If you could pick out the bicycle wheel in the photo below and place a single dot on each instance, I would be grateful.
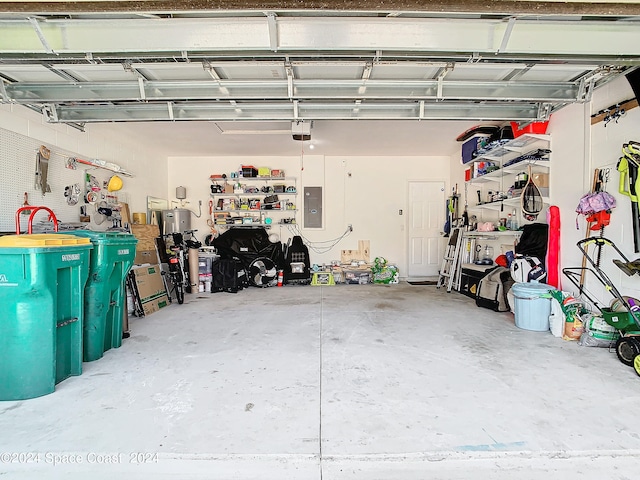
(179, 286)
(168, 285)
(180, 293)
(187, 283)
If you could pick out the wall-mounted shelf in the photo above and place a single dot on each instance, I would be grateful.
(243, 225)
(494, 234)
(251, 225)
(514, 148)
(496, 175)
(258, 194)
(507, 203)
(504, 177)
(255, 210)
(251, 179)
(255, 199)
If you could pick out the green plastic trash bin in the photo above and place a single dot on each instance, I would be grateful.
(104, 295)
(42, 279)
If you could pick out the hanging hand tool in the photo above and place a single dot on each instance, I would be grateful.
(628, 166)
(26, 204)
(42, 169)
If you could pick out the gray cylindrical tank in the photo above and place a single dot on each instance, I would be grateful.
(176, 220)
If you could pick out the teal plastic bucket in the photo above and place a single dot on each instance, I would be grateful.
(532, 306)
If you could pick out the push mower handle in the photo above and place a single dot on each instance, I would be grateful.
(599, 241)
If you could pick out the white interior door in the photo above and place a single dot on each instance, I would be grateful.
(426, 221)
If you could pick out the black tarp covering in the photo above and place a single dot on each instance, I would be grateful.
(534, 240)
(247, 244)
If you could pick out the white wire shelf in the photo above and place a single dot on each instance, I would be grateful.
(507, 202)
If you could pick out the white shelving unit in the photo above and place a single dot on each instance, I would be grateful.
(257, 216)
(495, 239)
(500, 180)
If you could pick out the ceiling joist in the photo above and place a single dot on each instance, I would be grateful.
(291, 111)
(290, 88)
(272, 64)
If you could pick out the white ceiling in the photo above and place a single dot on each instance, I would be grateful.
(249, 65)
(333, 137)
(372, 82)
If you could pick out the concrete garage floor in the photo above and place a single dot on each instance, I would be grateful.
(347, 382)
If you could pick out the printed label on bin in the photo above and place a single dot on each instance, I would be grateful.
(4, 281)
(123, 251)
(70, 257)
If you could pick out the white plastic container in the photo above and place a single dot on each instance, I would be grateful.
(556, 319)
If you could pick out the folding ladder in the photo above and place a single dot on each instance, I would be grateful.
(449, 271)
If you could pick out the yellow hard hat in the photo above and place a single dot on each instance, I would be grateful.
(115, 184)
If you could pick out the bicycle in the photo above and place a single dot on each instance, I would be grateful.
(173, 256)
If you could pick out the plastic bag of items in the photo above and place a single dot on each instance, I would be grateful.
(572, 309)
(597, 332)
(383, 273)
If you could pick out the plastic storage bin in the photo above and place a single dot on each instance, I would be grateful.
(42, 279)
(532, 306)
(533, 127)
(104, 295)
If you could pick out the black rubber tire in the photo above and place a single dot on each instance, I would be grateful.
(187, 284)
(180, 294)
(178, 286)
(627, 348)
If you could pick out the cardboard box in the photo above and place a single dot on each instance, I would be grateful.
(150, 287)
(540, 179)
(146, 256)
(146, 235)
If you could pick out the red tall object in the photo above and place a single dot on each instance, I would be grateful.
(553, 247)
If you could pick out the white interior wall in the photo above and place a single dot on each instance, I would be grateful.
(568, 179)
(606, 145)
(98, 141)
(579, 148)
(365, 191)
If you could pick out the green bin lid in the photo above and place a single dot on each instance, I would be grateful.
(42, 240)
(100, 236)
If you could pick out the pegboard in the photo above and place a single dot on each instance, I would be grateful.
(17, 176)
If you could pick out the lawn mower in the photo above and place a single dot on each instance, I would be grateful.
(623, 313)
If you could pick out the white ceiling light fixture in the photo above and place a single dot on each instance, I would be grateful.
(301, 130)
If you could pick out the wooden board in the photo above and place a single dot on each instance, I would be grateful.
(124, 213)
(600, 116)
(361, 254)
(145, 235)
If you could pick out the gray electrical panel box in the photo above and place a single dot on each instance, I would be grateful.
(312, 207)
